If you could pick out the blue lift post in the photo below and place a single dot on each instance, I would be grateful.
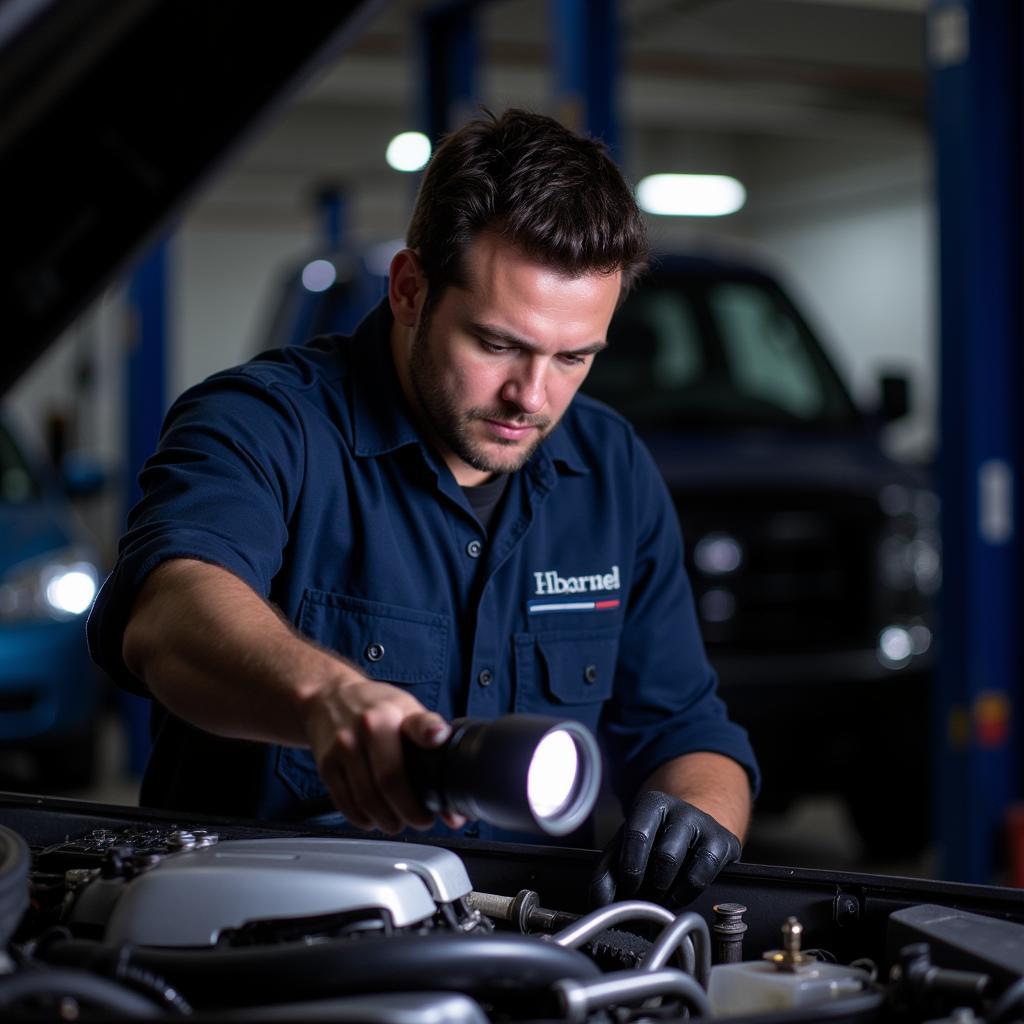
(586, 63)
(145, 405)
(450, 58)
(975, 49)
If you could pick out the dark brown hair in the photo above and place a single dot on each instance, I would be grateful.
(555, 195)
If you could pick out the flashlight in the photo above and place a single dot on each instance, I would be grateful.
(524, 772)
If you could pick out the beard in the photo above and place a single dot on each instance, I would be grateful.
(454, 426)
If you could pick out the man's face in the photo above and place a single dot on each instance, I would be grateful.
(496, 364)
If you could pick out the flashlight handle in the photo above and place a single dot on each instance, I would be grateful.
(424, 769)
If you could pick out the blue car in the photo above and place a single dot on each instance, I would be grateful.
(49, 573)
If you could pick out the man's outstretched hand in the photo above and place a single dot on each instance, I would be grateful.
(667, 851)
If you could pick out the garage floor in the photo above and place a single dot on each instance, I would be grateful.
(814, 833)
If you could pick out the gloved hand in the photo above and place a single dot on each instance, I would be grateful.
(666, 851)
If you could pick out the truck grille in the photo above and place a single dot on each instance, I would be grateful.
(807, 579)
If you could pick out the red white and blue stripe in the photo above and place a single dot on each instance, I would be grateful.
(547, 605)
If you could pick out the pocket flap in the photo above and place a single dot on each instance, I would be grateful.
(580, 664)
(387, 642)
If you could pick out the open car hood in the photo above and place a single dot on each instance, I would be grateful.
(115, 111)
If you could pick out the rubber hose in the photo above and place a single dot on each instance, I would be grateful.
(506, 968)
(65, 983)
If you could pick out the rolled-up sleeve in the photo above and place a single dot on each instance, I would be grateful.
(665, 703)
(220, 488)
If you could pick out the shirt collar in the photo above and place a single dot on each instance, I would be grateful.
(381, 416)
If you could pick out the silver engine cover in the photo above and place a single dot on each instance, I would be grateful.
(190, 898)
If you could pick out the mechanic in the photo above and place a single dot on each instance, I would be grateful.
(356, 540)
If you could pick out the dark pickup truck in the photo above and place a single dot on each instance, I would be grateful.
(814, 557)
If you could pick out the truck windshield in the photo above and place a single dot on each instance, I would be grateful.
(717, 352)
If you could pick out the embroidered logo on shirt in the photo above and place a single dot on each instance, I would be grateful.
(549, 584)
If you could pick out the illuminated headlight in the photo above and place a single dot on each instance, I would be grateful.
(898, 644)
(717, 554)
(59, 585)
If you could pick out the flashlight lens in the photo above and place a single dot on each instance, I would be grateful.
(551, 779)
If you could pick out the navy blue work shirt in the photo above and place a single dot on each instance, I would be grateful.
(302, 472)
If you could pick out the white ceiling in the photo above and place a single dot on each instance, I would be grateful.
(777, 91)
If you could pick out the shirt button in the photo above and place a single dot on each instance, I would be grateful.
(374, 652)
(486, 677)
(590, 673)
(473, 548)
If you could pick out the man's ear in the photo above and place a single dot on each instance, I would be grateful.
(407, 287)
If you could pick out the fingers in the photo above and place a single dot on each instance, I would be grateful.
(602, 884)
(638, 835)
(709, 857)
(668, 850)
(677, 838)
(344, 774)
(430, 730)
(395, 805)
(356, 736)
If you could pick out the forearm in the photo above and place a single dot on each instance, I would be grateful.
(218, 655)
(712, 782)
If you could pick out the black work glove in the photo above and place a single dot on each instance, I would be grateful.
(666, 851)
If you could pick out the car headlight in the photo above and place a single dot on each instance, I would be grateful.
(56, 586)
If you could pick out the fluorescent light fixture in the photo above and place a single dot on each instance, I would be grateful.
(690, 195)
(318, 275)
(408, 151)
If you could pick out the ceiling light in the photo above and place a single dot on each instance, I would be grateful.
(690, 195)
(319, 275)
(408, 151)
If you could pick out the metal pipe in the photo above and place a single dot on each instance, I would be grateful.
(602, 919)
(673, 936)
(580, 999)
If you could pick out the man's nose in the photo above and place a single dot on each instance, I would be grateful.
(527, 388)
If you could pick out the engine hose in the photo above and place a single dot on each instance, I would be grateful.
(505, 968)
(580, 999)
(69, 983)
(671, 939)
(150, 984)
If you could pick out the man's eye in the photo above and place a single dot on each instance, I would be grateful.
(489, 346)
(573, 360)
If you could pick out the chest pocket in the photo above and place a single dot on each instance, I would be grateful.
(403, 646)
(566, 672)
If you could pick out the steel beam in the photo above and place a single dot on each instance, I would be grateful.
(585, 37)
(975, 49)
(145, 405)
(450, 59)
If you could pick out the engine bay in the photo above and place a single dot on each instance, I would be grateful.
(119, 912)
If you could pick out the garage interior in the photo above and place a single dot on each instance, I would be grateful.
(878, 144)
